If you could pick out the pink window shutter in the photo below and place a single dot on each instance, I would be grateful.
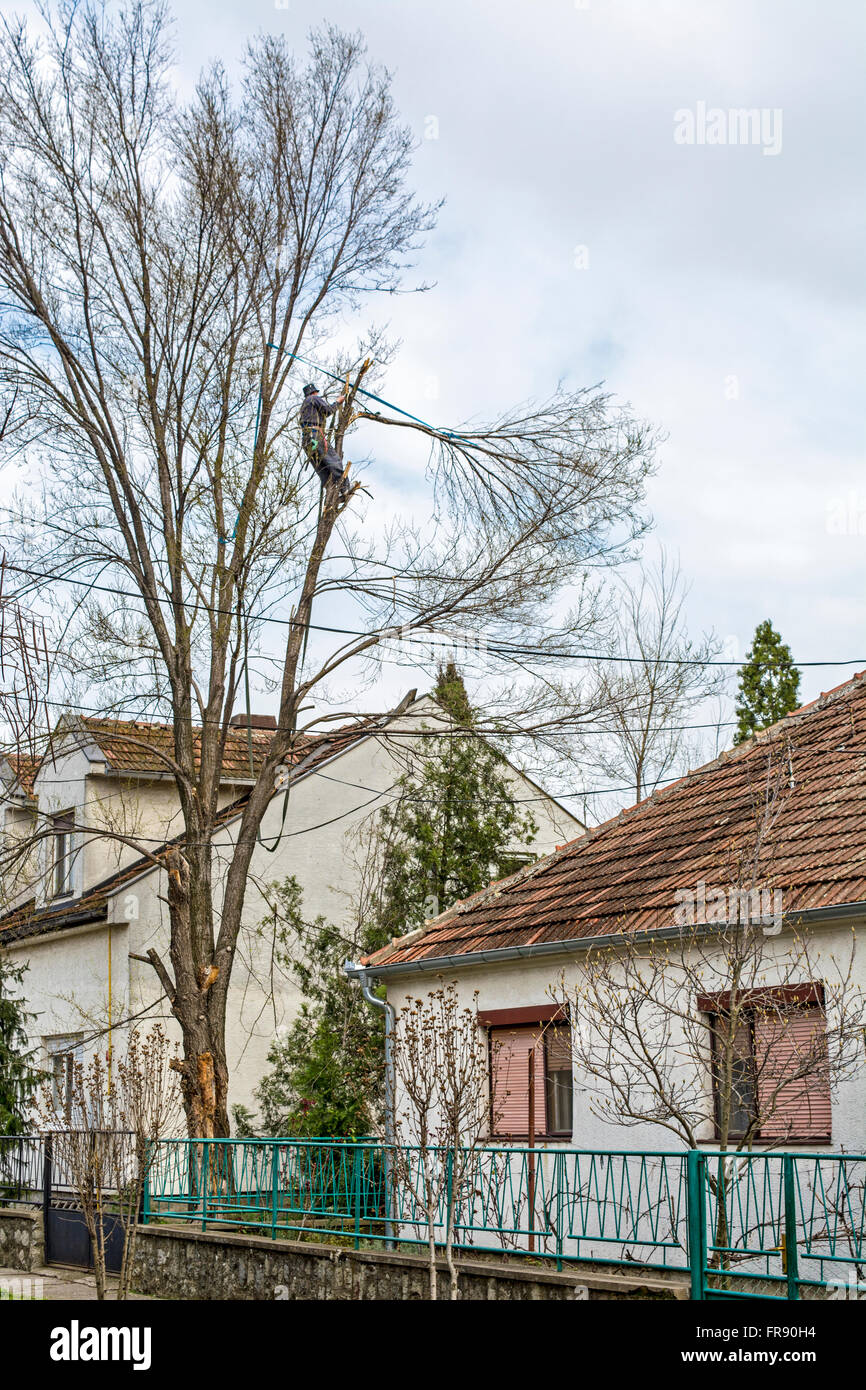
(787, 1044)
(558, 1044)
(510, 1049)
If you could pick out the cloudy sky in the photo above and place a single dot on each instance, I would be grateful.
(717, 287)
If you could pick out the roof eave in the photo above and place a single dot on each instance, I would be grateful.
(838, 912)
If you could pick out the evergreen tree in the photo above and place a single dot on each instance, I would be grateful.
(454, 822)
(326, 1073)
(19, 1076)
(452, 827)
(769, 683)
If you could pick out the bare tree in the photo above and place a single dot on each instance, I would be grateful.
(105, 1126)
(25, 677)
(442, 1116)
(654, 679)
(161, 267)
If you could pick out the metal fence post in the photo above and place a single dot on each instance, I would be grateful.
(275, 1188)
(205, 1177)
(791, 1262)
(696, 1208)
(449, 1195)
(145, 1187)
(356, 1152)
(559, 1163)
(47, 1155)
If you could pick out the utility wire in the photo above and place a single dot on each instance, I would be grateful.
(578, 727)
(396, 632)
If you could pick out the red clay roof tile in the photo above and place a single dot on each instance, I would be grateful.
(623, 876)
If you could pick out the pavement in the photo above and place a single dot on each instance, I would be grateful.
(57, 1283)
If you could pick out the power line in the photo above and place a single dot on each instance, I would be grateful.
(578, 727)
(397, 632)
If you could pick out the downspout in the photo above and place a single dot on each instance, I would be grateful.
(357, 972)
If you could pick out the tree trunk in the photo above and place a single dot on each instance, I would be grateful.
(203, 1071)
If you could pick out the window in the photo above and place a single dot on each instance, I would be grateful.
(63, 827)
(780, 1081)
(744, 1097)
(509, 864)
(62, 1052)
(530, 1051)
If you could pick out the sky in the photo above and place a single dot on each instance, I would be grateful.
(594, 229)
(717, 287)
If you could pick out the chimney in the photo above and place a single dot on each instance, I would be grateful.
(253, 721)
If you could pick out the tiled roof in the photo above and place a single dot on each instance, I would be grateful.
(25, 769)
(623, 876)
(134, 746)
(27, 920)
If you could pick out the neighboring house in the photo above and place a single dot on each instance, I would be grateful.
(87, 902)
(637, 873)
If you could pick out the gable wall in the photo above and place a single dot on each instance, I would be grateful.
(327, 810)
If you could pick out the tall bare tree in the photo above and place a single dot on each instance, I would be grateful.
(25, 677)
(162, 264)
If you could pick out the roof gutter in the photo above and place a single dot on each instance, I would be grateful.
(62, 922)
(428, 964)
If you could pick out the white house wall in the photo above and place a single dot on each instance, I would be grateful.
(75, 983)
(326, 812)
(528, 982)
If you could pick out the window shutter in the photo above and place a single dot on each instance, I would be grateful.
(510, 1049)
(785, 1044)
(558, 1043)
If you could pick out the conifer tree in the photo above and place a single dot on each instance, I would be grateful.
(769, 683)
(19, 1076)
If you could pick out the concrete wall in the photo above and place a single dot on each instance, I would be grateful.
(181, 1264)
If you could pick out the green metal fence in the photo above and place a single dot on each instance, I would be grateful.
(777, 1225)
(751, 1225)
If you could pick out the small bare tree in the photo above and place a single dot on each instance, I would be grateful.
(442, 1114)
(104, 1126)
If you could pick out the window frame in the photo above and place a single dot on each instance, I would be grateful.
(805, 998)
(554, 1019)
(63, 1049)
(63, 855)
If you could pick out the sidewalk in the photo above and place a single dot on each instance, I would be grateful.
(57, 1283)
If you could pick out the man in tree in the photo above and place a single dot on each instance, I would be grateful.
(769, 683)
(322, 455)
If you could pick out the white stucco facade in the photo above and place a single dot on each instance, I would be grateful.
(533, 980)
(82, 977)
